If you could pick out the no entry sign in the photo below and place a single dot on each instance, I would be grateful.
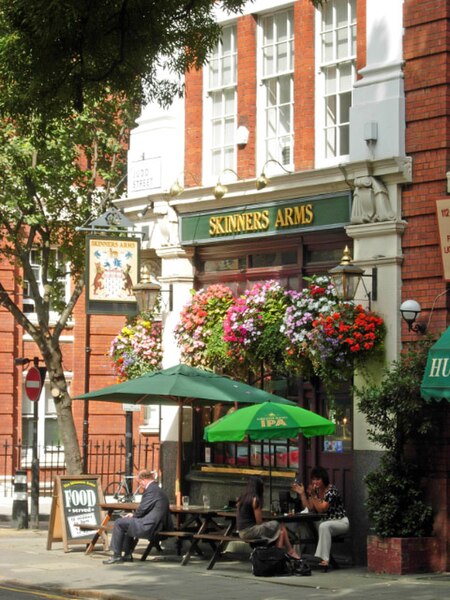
(33, 384)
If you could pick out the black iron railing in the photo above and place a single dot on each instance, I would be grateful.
(105, 458)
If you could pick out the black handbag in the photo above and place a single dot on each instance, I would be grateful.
(269, 562)
(299, 566)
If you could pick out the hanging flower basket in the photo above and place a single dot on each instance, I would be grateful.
(137, 349)
(318, 298)
(199, 332)
(308, 332)
(252, 326)
(329, 338)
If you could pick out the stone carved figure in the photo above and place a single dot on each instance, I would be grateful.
(371, 201)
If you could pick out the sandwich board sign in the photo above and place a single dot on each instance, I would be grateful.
(76, 501)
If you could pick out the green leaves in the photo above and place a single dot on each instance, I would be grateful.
(399, 420)
(55, 175)
(54, 55)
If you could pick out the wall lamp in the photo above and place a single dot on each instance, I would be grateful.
(141, 214)
(220, 190)
(346, 277)
(263, 180)
(410, 310)
(149, 293)
(176, 189)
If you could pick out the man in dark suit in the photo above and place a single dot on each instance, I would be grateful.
(152, 515)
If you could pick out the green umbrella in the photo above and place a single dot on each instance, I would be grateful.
(268, 421)
(181, 386)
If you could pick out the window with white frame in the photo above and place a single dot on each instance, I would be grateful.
(277, 70)
(337, 68)
(48, 436)
(222, 110)
(56, 264)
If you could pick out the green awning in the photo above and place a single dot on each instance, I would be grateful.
(436, 379)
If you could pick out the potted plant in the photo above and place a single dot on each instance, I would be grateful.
(399, 421)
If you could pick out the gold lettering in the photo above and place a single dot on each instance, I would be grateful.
(212, 226)
(257, 220)
(220, 228)
(288, 215)
(240, 223)
(279, 221)
(309, 214)
(260, 220)
(265, 220)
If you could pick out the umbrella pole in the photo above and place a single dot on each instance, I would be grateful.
(179, 456)
(270, 475)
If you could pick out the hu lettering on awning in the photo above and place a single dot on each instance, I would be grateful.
(440, 367)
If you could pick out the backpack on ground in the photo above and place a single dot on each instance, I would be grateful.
(269, 562)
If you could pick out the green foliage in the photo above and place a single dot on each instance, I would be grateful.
(50, 173)
(398, 419)
(56, 174)
(54, 54)
(395, 501)
(217, 351)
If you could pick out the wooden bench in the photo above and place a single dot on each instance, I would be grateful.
(155, 542)
(221, 541)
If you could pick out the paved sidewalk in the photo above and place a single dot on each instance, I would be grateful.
(25, 560)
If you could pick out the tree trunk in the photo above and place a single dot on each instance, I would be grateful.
(63, 405)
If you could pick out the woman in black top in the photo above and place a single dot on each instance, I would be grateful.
(250, 522)
(323, 497)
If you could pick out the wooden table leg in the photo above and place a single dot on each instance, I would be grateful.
(220, 546)
(100, 531)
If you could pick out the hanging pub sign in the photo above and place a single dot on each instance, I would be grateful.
(112, 270)
(443, 219)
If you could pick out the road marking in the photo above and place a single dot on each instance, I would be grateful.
(35, 593)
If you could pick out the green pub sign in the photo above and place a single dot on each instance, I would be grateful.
(292, 216)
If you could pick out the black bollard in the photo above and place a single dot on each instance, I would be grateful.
(20, 501)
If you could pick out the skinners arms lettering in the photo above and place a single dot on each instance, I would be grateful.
(288, 216)
(239, 223)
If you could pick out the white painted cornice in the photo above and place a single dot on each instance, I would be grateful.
(395, 170)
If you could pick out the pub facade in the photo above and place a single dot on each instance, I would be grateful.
(305, 133)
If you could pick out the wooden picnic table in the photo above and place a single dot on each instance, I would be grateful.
(230, 533)
(191, 521)
(196, 524)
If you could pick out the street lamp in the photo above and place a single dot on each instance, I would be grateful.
(346, 277)
(148, 293)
